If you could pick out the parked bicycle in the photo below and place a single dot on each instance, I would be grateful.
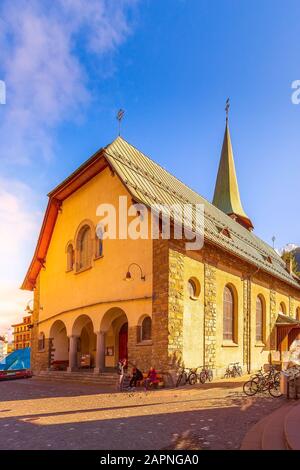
(263, 382)
(233, 370)
(184, 376)
(204, 375)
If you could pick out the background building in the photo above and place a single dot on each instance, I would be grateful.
(22, 333)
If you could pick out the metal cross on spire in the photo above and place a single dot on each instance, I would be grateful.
(227, 108)
(120, 116)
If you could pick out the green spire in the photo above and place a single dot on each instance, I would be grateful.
(227, 195)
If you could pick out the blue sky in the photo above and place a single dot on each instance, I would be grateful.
(170, 64)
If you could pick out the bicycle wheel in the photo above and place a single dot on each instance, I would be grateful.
(192, 378)
(202, 377)
(182, 379)
(210, 375)
(250, 388)
(264, 383)
(274, 389)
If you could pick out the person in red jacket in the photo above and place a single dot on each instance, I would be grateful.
(151, 378)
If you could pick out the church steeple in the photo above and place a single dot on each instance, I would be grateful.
(227, 195)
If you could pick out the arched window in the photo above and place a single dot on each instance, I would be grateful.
(193, 287)
(41, 342)
(99, 241)
(146, 329)
(259, 319)
(70, 257)
(282, 308)
(228, 314)
(84, 244)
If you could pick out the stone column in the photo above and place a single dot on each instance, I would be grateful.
(100, 353)
(73, 353)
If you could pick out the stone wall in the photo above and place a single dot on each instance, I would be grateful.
(139, 354)
(176, 308)
(160, 309)
(210, 315)
(246, 324)
(34, 331)
(40, 360)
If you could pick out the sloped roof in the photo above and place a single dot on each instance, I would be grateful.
(283, 319)
(151, 184)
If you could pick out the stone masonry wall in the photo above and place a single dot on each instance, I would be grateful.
(139, 354)
(246, 323)
(160, 304)
(40, 360)
(176, 308)
(210, 315)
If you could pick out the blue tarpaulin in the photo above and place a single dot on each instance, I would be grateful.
(19, 359)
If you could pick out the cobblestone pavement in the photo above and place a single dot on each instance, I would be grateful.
(46, 415)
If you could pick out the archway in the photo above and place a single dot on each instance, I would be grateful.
(114, 326)
(59, 344)
(83, 329)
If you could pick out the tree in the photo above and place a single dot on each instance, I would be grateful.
(289, 255)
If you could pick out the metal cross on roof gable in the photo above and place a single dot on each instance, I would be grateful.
(227, 108)
(120, 116)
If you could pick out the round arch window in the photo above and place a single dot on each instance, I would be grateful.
(193, 288)
(146, 329)
(282, 308)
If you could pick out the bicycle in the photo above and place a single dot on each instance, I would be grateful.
(233, 370)
(184, 376)
(204, 375)
(261, 382)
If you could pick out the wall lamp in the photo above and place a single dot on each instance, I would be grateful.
(128, 276)
(28, 309)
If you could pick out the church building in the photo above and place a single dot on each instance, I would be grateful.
(153, 301)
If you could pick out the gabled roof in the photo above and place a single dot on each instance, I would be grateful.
(151, 184)
(283, 319)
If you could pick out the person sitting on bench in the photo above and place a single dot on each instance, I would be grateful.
(151, 378)
(136, 377)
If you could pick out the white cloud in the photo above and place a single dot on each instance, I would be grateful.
(42, 44)
(46, 80)
(20, 223)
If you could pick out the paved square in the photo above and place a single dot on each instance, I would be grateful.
(37, 414)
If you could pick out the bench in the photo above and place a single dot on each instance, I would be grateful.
(59, 365)
(159, 382)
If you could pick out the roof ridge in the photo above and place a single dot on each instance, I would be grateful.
(253, 243)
